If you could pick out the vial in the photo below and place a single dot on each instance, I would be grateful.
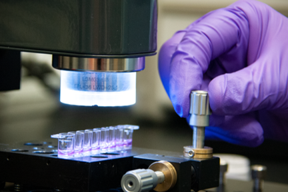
(104, 139)
(128, 135)
(96, 140)
(119, 137)
(88, 135)
(78, 143)
(65, 145)
(111, 139)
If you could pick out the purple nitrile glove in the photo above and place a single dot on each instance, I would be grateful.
(238, 54)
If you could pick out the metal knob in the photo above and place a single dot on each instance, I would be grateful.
(258, 173)
(200, 111)
(161, 176)
(141, 180)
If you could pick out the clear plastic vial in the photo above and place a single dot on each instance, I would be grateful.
(119, 137)
(88, 135)
(98, 88)
(127, 138)
(104, 139)
(78, 143)
(111, 139)
(128, 135)
(96, 140)
(65, 145)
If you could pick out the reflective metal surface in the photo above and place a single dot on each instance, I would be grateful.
(99, 64)
(223, 170)
(80, 27)
(258, 173)
(139, 180)
(198, 137)
(170, 175)
(200, 111)
(198, 153)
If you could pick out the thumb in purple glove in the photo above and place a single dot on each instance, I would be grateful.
(239, 55)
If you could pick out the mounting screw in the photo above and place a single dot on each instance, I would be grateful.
(191, 153)
(258, 173)
(223, 170)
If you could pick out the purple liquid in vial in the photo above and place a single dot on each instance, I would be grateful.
(119, 145)
(96, 140)
(66, 146)
(65, 153)
(127, 144)
(88, 135)
(95, 150)
(104, 139)
(111, 139)
(78, 143)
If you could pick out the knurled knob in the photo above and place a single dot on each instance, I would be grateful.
(199, 109)
(139, 180)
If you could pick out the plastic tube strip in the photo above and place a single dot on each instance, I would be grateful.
(95, 141)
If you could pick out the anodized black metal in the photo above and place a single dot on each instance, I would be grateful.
(36, 164)
(10, 70)
(182, 166)
(191, 173)
(206, 173)
(80, 27)
(83, 174)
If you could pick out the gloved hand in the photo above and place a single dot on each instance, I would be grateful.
(238, 54)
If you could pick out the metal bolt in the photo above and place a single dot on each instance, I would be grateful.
(198, 137)
(191, 153)
(223, 170)
(200, 111)
(258, 175)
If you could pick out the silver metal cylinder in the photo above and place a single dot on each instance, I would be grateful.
(258, 173)
(160, 176)
(140, 180)
(198, 137)
(199, 119)
(99, 64)
(223, 170)
(199, 109)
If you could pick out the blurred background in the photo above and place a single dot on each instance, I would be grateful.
(34, 112)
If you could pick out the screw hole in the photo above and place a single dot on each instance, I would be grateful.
(99, 156)
(130, 184)
(43, 152)
(19, 150)
(33, 144)
(110, 153)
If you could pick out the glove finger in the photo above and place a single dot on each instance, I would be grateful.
(165, 55)
(213, 35)
(240, 130)
(261, 85)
